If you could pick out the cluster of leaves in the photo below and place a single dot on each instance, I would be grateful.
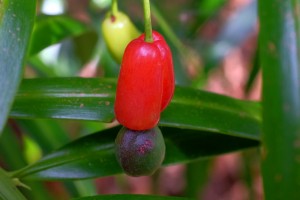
(191, 125)
(196, 125)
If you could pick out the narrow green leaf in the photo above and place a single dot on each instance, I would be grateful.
(93, 99)
(15, 30)
(131, 197)
(280, 61)
(66, 98)
(178, 48)
(94, 155)
(84, 46)
(8, 190)
(49, 30)
(85, 187)
(54, 135)
(193, 123)
(11, 154)
(253, 73)
(200, 110)
(2, 8)
(9, 145)
(197, 176)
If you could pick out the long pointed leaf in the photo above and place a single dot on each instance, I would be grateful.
(49, 30)
(8, 190)
(66, 98)
(280, 60)
(194, 122)
(15, 29)
(93, 99)
(94, 156)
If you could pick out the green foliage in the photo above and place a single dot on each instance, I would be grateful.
(92, 99)
(14, 34)
(279, 52)
(59, 27)
(94, 156)
(77, 139)
(8, 188)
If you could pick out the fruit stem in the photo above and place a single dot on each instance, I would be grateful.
(147, 18)
(114, 7)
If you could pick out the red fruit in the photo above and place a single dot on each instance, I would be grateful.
(168, 71)
(146, 83)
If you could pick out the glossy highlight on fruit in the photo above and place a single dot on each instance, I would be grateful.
(146, 83)
(168, 69)
(118, 31)
(140, 153)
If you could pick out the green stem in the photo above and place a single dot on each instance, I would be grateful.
(114, 7)
(147, 18)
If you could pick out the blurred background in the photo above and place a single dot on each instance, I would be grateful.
(214, 46)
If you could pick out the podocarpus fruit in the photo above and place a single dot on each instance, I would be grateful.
(145, 84)
(140, 153)
(118, 31)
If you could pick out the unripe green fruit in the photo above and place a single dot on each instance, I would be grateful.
(118, 31)
(140, 153)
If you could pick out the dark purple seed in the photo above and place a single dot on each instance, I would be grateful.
(140, 153)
